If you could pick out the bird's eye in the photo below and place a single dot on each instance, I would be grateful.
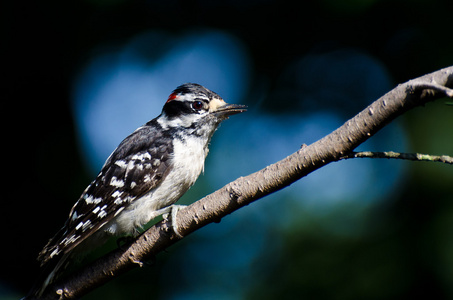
(197, 105)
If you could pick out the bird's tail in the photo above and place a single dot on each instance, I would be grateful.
(50, 272)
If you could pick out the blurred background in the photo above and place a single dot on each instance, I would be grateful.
(79, 76)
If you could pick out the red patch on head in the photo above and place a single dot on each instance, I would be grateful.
(172, 96)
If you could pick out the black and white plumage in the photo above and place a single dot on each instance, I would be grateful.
(146, 174)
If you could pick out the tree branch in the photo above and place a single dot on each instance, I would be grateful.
(245, 190)
(406, 156)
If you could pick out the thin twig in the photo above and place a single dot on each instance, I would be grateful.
(406, 156)
(447, 92)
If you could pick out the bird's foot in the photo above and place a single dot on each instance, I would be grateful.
(173, 219)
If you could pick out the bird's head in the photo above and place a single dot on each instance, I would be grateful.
(191, 104)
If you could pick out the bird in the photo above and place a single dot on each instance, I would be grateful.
(143, 178)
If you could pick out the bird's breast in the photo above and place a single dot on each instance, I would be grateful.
(188, 158)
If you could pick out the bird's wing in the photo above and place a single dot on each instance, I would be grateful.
(132, 170)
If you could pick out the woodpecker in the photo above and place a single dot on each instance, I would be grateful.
(142, 179)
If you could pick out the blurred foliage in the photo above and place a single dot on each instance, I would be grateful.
(404, 248)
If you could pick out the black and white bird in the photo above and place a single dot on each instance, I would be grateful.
(143, 177)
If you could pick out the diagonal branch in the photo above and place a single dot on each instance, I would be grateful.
(245, 190)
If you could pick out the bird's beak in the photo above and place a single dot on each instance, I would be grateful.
(222, 109)
(230, 109)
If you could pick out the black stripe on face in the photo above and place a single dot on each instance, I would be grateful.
(177, 108)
